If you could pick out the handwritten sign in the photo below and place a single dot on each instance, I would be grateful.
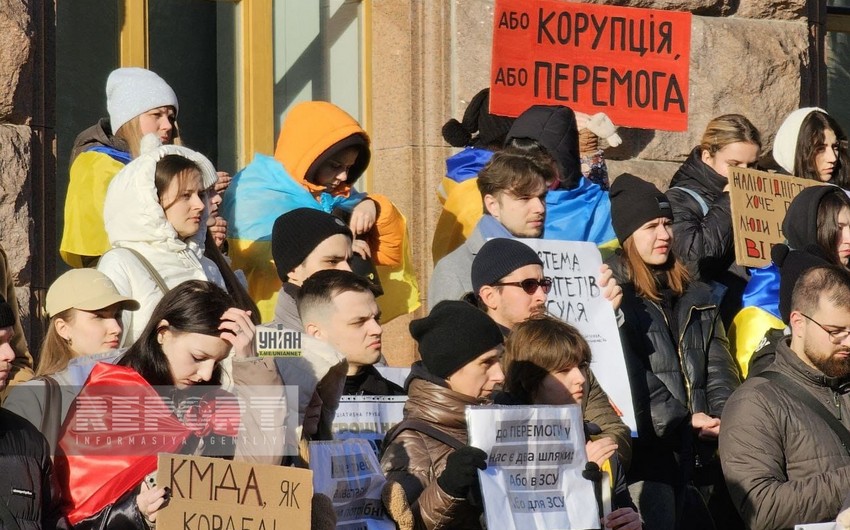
(630, 63)
(576, 298)
(214, 493)
(367, 418)
(349, 474)
(759, 202)
(536, 456)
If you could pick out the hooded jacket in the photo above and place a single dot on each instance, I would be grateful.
(783, 464)
(97, 156)
(673, 373)
(135, 220)
(269, 187)
(415, 460)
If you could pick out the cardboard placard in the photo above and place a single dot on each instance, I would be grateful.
(629, 63)
(216, 493)
(535, 459)
(759, 202)
(576, 299)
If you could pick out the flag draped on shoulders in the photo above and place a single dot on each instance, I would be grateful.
(759, 314)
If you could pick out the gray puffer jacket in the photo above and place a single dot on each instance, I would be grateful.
(783, 464)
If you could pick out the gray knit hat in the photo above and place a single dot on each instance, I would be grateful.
(132, 91)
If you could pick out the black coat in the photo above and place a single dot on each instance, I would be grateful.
(673, 374)
(27, 485)
(370, 382)
(705, 242)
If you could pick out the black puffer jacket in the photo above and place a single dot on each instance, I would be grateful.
(673, 373)
(705, 243)
(27, 486)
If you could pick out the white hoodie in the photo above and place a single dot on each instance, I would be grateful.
(135, 220)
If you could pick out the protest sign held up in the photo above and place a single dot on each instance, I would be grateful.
(215, 493)
(631, 64)
(367, 418)
(576, 299)
(759, 201)
(536, 456)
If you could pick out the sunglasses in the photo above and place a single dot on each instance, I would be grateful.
(530, 285)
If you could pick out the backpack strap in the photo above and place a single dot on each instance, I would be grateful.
(813, 403)
(696, 196)
(424, 428)
(151, 270)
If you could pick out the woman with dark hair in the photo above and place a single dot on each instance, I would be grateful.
(680, 370)
(161, 396)
(817, 222)
(810, 144)
(545, 363)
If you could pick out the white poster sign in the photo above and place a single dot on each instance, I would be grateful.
(367, 418)
(576, 298)
(536, 455)
(348, 473)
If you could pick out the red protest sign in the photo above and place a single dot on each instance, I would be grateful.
(629, 63)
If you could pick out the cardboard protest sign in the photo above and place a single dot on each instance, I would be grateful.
(367, 418)
(576, 298)
(536, 456)
(349, 474)
(759, 202)
(629, 63)
(216, 493)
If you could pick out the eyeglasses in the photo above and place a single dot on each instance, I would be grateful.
(529, 285)
(836, 336)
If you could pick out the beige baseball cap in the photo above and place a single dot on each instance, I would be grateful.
(86, 289)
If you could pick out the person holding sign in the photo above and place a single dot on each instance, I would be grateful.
(810, 144)
(427, 453)
(819, 216)
(702, 215)
(161, 396)
(677, 355)
(508, 284)
(547, 362)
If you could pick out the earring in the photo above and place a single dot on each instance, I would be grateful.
(69, 341)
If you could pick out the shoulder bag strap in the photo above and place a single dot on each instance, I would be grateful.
(153, 272)
(810, 401)
(696, 196)
(51, 420)
(424, 428)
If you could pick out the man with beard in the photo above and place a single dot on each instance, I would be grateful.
(784, 443)
(508, 283)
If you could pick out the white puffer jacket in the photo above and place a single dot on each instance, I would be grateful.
(135, 220)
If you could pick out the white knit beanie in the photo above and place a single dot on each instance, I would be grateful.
(132, 91)
(785, 143)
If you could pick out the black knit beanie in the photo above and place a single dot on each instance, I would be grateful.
(491, 128)
(7, 317)
(800, 225)
(792, 264)
(498, 258)
(634, 202)
(452, 335)
(297, 233)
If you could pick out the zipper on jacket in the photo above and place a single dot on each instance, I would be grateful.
(679, 352)
(681, 355)
(837, 404)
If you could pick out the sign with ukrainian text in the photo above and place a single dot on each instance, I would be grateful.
(535, 459)
(629, 63)
(759, 201)
(215, 493)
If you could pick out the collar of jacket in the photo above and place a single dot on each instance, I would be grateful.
(699, 176)
(788, 362)
(435, 403)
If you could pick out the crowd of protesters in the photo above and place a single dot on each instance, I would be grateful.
(739, 377)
